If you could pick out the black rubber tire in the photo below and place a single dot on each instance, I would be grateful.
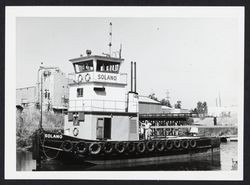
(81, 147)
(120, 147)
(184, 144)
(150, 146)
(108, 148)
(140, 147)
(67, 146)
(95, 148)
(192, 143)
(177, 144)
(160, 146)
(169, 145)
(131, 147)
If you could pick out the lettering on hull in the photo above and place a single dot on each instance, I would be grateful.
(53, 136)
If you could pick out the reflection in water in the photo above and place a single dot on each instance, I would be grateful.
(222, 161)
(24, 161)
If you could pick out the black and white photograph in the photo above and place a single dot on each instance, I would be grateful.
(118, 92)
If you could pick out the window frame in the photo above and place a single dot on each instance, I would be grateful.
(109, 63)
(77, 94)
(76, 66)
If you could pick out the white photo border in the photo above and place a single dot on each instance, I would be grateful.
(10, 88)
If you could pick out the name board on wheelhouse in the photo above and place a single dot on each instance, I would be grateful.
(106, 77)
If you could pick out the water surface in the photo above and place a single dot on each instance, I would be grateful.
(225, 160)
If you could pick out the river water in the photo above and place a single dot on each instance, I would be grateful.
(224, 161)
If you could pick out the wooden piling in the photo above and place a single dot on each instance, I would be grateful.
(36, 155)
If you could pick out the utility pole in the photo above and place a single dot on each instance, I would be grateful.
(41, 116)
(219, 100)
(167, 96)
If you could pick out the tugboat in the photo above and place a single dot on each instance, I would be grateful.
(102, 122)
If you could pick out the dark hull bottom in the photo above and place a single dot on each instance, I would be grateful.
(204, 160)
(207, 153)
(53, 150)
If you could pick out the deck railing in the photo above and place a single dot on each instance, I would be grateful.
(99, 105)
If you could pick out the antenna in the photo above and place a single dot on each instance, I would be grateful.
(120, 51)
(110, 37)
(219, 100)
(167, 95)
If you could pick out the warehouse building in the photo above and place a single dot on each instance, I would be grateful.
(55, 91)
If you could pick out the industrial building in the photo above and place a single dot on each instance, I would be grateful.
(148, 105)
(26, 96)
(54, 87)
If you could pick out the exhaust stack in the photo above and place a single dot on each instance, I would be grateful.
(133, 98)
(131, 84)
(133, 77)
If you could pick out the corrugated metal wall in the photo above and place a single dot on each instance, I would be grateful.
(147, 108)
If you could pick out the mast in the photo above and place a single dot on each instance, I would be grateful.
(110, 38)
(41, 109)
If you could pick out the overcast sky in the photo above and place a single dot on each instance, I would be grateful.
(195, 59)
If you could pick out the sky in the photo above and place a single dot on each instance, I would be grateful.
(194, 59)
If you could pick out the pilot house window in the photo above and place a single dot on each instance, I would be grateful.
(84, 66)
(106, 66)
(79, 92)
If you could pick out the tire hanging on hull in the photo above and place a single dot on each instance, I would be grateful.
(67, 146)
(169, 145)
(120, 147)
(177, 144)
(81, 147)
(141, 147)
(95, 148)
(192, 143)
(184, 144)
(108, 148)
(150, 146)
(160, 146)
(131, 147)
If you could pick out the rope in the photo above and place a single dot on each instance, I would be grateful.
(46, 155)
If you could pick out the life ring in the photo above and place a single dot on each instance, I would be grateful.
(120, 147)
(150, 146)
(81, 147)
(95, 148)
(131, 147)
(141, 147)
(75, 131)
(169, 145)
(80, 78)
(184, 144)
(108, 148)
(177, 143)
(192, 143)
(160, 146)
(87, 77)
(67, 146)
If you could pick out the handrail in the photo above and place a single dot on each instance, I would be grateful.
(99, 105)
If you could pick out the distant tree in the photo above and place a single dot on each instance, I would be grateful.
(194, 111)
(178, 105)
(166, 103)
(202, 109)
(205, 111)
(153, 97)
(199, 107)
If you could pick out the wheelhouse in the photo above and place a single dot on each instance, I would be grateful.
(99, 106)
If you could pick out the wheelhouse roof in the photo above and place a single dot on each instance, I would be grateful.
(97, 57)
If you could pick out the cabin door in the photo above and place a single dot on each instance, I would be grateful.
(103, 129)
